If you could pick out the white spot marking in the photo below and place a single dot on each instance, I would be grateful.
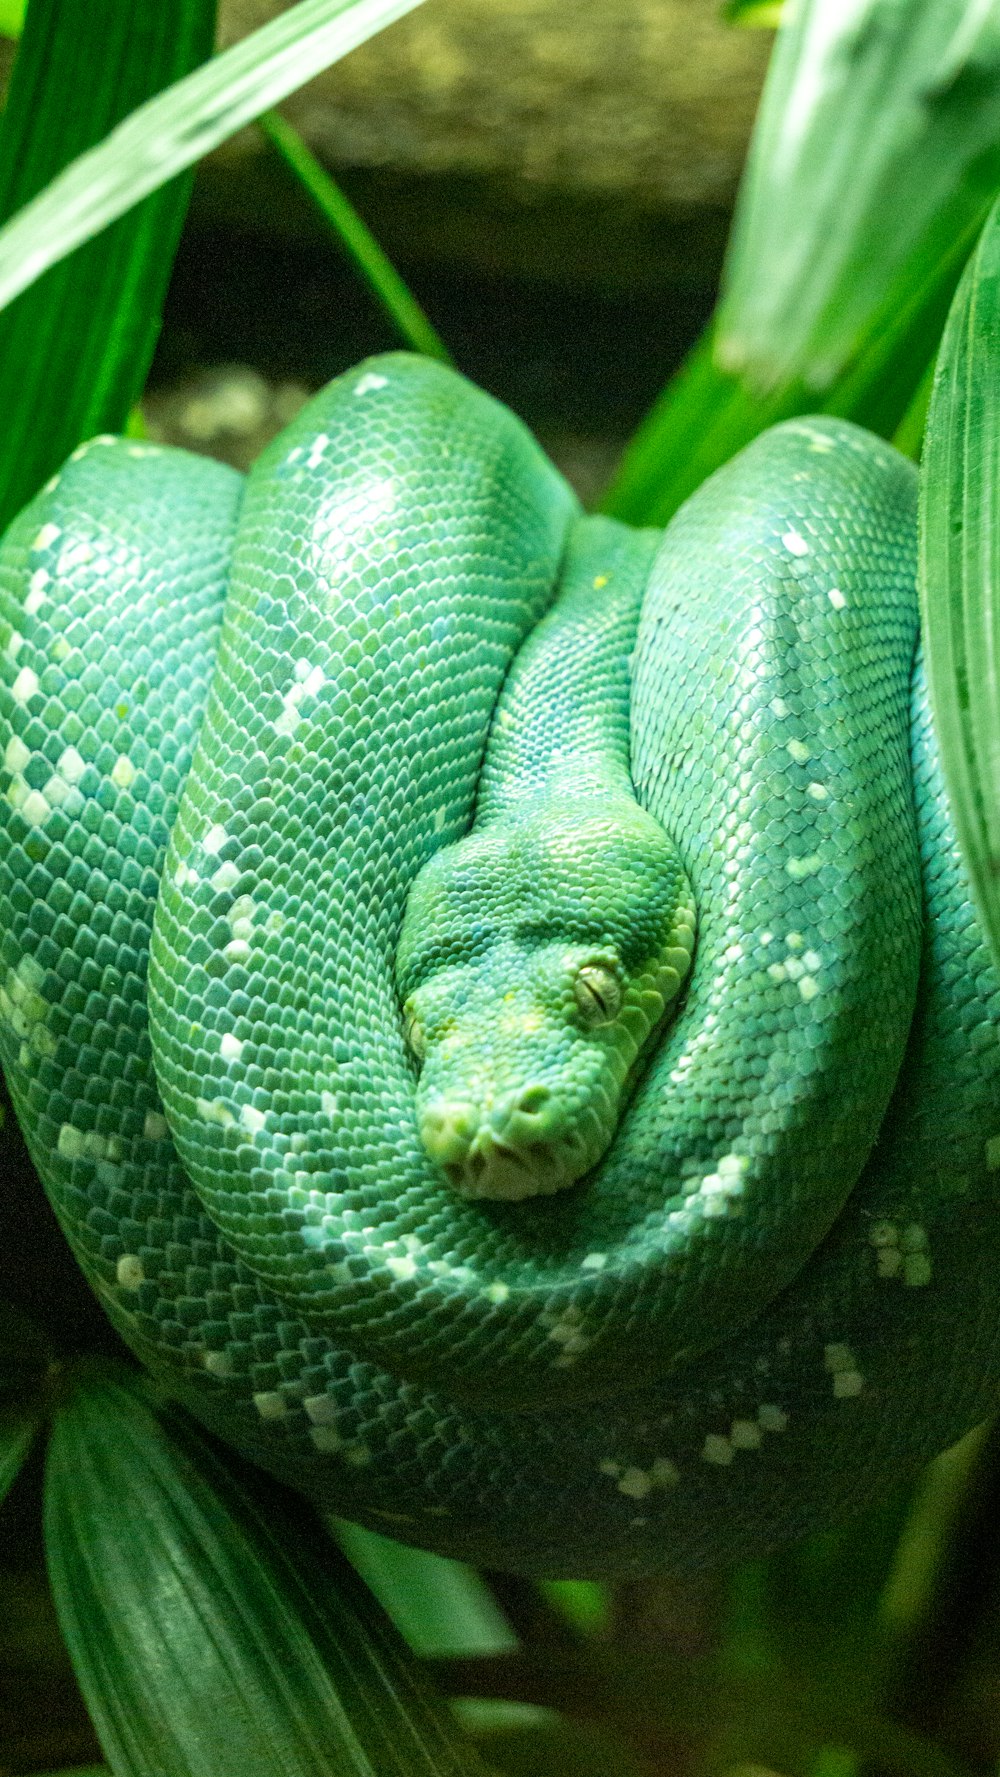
(129, 1271)
(798, 751)
(36, 808)
(371, 380)
(214, 1111)
(37, 593)
(270, 1406)
(87, 1144)
(842, 1366)
(226, 877)
(49, 533)
(123, 772)
(325, 1438)
(745, 1435)
(16, 754)
(836, 598)
(252, 1119)
(771, 1418)
(321, 1408)
(214, 840)
(402, 1269)
(819, 792)
(71, 765)
(635, 1483)
(230, 1047)
(795, 543)
(155, 1127)
(799, 868)
(717, 1450)
(25, 685)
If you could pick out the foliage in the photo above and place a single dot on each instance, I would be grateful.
(225, 1633)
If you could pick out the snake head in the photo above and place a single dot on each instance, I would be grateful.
(537, 961)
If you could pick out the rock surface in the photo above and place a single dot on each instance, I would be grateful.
(649, 99)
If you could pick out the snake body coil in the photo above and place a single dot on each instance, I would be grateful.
(424, 1164)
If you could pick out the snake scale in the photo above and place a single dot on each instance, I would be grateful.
(607, 1189)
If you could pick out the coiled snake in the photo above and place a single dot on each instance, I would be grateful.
(475, 1208)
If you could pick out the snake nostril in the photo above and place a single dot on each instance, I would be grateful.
(532, 1099)
(447, 1130)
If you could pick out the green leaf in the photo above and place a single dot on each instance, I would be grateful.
(583, 1603)
(960, 569)
(356, 238)
(17, 1434)
(702, 418)
(74, 350)
(877, 142)
(440, 1607)
(173, 131)
(875, 157)
(762, 15)
(214, 1629)
(12, 17)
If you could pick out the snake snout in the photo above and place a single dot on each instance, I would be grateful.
(507, 1153)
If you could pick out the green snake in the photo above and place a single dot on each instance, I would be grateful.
(491, 994)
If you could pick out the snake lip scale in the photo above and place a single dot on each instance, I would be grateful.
(491, 994)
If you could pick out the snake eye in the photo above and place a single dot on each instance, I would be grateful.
(598, 994)
(415, 1036)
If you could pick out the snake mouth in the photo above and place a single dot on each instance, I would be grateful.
(480, 1160)
(496, 1170)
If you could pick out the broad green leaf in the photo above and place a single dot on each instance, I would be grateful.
(12, 17)
(762, 15)
(814, 1609)
(356, 238)
(960, 568)
(702, 418)
(875, 157)
(171, 132)
(440, 1607)
(74, 350)
(583, 1603)
(214, 1629)
(940, 1498)
(877, 142)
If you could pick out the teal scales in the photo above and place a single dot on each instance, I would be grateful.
(426, 1166)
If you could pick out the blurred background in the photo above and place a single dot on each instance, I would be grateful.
(554, 183)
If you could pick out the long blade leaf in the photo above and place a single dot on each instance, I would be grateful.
(74, 350)
(356, 238)
(169, 133)
(214, 1629)
(960, 568)
(875, 158)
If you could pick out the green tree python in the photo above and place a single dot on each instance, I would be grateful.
(492, 994)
